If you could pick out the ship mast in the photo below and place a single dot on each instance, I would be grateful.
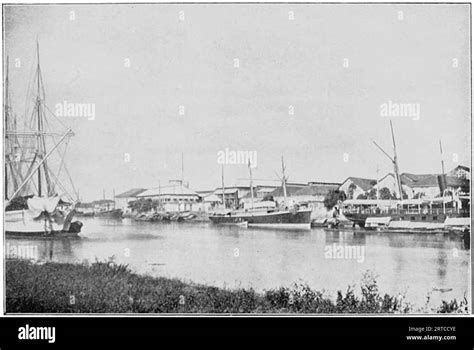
(33, 149)
(6, 144)
(442, 160)
(25, 181)
(11, 141)
(40, 140)
(395, 164)
(251, 184)
(283, 180)
(443, 174)
(394, 160)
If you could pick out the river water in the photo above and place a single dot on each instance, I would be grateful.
(416, 265)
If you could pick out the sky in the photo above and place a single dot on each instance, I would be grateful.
(309, 86)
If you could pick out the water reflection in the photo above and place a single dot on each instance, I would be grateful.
(233, 256)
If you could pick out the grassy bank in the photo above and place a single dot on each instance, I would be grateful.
(105, 287)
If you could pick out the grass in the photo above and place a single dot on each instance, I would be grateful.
(106, 287)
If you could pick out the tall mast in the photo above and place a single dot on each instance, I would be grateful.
(6, 144)
(11, 140)
(223, 188)
(38, 106)
(251, 185)
(442, 160)
(25, 181)
(395, 164)
(283, 180)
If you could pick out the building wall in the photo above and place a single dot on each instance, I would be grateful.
(122, 203)
(173, 203)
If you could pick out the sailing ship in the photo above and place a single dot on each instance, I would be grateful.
(33, 204)
(267, 213)
(447, 213)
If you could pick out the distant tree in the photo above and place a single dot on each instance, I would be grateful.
(372, 194)
(362, 196)
(385, 193)
(143, 205)
(332, 197)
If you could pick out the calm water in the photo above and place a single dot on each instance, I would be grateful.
(416, 265)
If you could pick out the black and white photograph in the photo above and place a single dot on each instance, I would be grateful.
(236, 159)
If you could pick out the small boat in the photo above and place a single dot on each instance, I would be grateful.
(109, 214)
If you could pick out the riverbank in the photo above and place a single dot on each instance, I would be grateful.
(106, 287)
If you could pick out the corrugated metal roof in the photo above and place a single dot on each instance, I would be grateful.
(131, 193)
(316, 190)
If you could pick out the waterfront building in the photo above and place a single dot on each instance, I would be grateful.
(427, 185)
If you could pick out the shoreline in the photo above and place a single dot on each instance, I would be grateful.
(107, 287)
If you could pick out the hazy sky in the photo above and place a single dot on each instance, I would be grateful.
(422, 58)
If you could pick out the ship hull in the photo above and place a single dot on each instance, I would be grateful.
(228, 220)
(20, 224)
(299, 220)
(280, 219)
(110, 214)
(410, 223)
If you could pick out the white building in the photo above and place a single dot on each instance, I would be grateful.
(174, 198)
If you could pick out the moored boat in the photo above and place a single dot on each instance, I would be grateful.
(268, 214)
(110, 214)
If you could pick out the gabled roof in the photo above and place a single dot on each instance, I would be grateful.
(131, 193)
(227, 190)
(428, 180)
(364, 184)
(316, 190)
